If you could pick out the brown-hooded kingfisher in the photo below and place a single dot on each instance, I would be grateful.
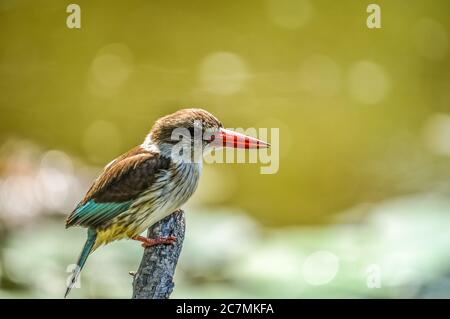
(151, 181)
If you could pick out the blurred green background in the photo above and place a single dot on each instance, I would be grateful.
(363, 184)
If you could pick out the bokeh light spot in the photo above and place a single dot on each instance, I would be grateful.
(320, 268)
(368, 82)
(17, 197)
(223, 73)
(57, 159)
(110, 68)
(430, 39)
(437, 134)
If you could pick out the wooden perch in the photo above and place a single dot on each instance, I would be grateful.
(154, 278)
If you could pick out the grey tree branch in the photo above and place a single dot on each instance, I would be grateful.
(154, 278)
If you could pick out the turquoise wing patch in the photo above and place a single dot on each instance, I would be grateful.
(94, 214)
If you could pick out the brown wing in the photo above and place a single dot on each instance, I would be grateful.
(122, 181)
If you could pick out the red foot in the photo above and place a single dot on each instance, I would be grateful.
(149, 242)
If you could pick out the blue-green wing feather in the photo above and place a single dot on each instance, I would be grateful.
(94, 214)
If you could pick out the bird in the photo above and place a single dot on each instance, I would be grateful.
(150, 181)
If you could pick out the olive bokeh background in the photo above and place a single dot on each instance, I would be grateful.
(363, 116)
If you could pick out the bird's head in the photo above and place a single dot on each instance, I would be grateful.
(197, 131)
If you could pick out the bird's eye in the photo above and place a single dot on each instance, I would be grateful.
(209, 138)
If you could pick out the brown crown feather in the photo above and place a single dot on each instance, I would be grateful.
(185, 118)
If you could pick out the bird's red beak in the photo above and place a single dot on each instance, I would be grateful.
(233, 139)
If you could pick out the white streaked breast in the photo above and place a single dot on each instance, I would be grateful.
(170, 191)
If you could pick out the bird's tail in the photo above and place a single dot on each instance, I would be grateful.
(87, 249)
